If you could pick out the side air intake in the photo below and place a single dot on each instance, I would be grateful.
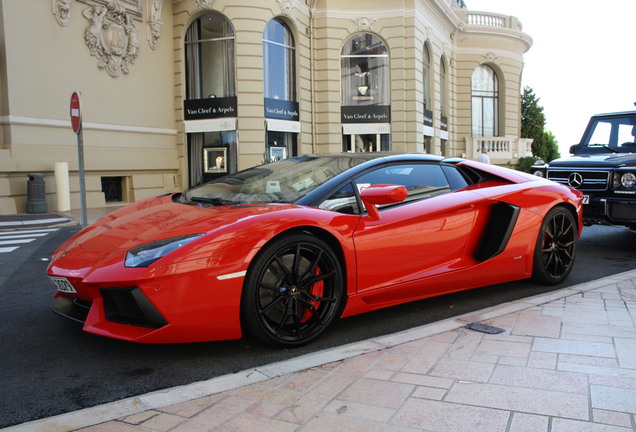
(498, 230)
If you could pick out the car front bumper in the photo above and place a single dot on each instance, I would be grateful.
(610, 210)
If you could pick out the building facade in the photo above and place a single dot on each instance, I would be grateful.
(177, 92)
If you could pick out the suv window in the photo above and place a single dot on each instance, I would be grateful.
(616, 134)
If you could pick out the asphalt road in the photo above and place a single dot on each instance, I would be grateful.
(48, 366)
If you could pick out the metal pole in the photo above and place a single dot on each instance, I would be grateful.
(80, 155)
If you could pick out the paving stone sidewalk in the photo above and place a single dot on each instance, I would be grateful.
(565, 362)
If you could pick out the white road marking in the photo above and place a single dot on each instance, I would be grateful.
(13, 239)
(34, 222)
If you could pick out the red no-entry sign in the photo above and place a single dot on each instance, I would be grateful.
(76, 116)
(76, 122)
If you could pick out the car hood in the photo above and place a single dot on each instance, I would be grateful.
(150, 220)
(596, 160)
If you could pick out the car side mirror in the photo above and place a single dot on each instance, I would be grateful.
(575, 148)
(376, 195)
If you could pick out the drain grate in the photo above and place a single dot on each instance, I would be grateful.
(485, 328)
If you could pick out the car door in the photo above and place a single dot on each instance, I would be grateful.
(425, 235)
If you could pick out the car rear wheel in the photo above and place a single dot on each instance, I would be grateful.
(556, 247)
(293, 290)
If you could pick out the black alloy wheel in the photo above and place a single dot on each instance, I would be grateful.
(556, 247)
(293, 290)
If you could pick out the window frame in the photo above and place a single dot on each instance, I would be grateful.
(195, 55)
(352, 183)
(288, 45)
(482, 119)
(373, 61)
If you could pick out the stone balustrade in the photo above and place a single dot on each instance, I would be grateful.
(502, 150)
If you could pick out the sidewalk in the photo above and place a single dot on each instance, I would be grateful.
(565, 362)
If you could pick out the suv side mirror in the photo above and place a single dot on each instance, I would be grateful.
(575, 148)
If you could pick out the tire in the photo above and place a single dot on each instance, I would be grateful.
(293, 290)
(556, 247)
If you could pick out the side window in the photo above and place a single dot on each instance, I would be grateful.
(456, 179)
(421, 180)
(344, 200)
(601, 134)
(626, 134)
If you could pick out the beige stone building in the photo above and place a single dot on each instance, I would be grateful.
(177, 92)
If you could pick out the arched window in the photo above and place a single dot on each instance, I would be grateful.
(279, 58)
(210, 58)
(279, 80)
(366, 110)
(443, 107)
(210, 73)
(443, 86)
(485, 101)
(427, 96)
(365, 71)
(426, 77)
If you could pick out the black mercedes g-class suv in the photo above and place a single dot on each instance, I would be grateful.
(603, 167)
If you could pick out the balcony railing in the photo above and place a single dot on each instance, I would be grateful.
(502, 150)
(488, 19)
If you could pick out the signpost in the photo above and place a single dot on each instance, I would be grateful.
(76, 123)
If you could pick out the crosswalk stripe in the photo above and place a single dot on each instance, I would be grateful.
(27, 232)
(17, 241)
(13, 239)
(19, 236)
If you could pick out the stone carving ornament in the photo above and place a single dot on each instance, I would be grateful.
(111, 36)
(286, 7)
(204, 4)
(154, 23)
(365, 23)
(490, 57)
(62, 11)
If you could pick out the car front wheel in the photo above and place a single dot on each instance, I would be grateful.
(556, 247)
(293, 290)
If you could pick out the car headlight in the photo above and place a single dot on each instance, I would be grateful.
(628, 180)
(538, 173)
(145, 254)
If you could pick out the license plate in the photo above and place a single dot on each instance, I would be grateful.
(586, 199)
(62, 284)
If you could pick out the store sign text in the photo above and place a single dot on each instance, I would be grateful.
(210, 108)
(366, 114)
(281, 109)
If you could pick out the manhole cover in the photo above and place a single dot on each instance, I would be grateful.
(485, 328)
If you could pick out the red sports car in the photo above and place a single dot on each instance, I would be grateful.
(279, 251)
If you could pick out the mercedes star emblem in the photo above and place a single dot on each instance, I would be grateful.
(575, 180)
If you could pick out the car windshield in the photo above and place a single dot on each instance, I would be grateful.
(283, 181)
(616, 134)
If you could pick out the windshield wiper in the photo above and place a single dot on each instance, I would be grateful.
(605, 146)
(613, 150)
(213, 201)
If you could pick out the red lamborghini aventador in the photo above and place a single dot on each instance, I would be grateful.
(280, 250)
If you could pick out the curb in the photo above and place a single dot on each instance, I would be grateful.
(27, 222)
